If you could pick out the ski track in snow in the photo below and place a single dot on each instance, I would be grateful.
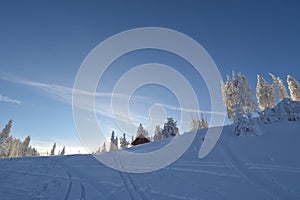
(275, 191)
(13, 190)
(42, 192)
(204, 164)
(205, 172)
(40, 175)
(69, 187)
(43, 188)
(252, 166)
(81, 182)
(82, 197)
(128, 182)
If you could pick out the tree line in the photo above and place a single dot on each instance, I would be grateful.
(13, 147)
(240, 104)
(169, 129)
(237, 94)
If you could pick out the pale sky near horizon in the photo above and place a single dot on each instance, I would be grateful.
(43, 43)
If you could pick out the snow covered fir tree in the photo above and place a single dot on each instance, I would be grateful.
(170, 128)
(157, 133)
(294, 88)
(280, 89)
(237, 94)
(123, 142)
(113, 142)
(142, 131)
(264, 94)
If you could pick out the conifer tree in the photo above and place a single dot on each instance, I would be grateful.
(116, 143)
(112, 142)
(195, 123)
(204, 123)
(279, 87)
(26, 150)
(52, 153)
(237, 92)
(170, 128)
(4, 140)
(264, 94)
(294, 88)
(103, 149)
(142, 131)
(157, 133)
(63, 151)
(123, 142)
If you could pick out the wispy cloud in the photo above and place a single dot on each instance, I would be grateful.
(188, 110)
(63, 91)
(9, 100)
(64, 94)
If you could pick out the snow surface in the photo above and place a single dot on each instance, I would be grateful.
(245, 167)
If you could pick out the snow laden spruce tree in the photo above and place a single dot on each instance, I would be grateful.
(294, 88)
(157, 133)
(103, 149)
(170, 128)
(15, 146)
(279, 87)
(264, 94)
(237, 94)
(25, 147)
(4, 139)
(142, 131)
(123, 142)
(239, 102)
(113, 142)
(116, 142)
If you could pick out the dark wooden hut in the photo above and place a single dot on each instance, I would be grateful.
(140, 139)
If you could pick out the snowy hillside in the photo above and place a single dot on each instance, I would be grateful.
(245, 167)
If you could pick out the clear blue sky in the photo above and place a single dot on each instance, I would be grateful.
(43, 43)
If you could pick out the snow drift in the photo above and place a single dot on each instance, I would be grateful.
(245, 167)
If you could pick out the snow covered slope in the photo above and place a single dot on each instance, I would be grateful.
(245, 167)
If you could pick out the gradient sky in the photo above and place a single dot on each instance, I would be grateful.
(43, 43)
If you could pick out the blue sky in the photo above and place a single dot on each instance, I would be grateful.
(43, 43)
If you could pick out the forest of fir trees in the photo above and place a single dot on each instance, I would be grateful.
(240, 103)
